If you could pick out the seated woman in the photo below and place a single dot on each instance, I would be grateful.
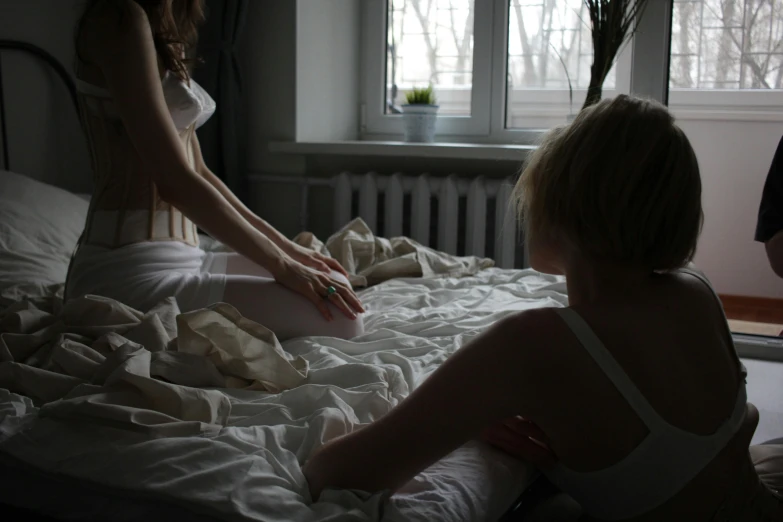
(140, 110)
(635, 387)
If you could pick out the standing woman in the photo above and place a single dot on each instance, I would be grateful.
(140, 110)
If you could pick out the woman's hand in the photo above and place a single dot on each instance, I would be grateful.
(520, 438)
(312, 258)
(314, 285)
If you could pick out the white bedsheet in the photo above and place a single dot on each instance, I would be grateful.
(250, 469)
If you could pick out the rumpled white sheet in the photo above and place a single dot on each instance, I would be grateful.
(244, 464)
(370, 259)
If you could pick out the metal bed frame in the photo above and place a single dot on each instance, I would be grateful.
(40, 54)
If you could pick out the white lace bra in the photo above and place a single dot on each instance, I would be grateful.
(188, 104)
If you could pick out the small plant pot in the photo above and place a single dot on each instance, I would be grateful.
(418, 122)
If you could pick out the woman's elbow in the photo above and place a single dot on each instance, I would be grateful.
(777, 265)
(774, 248)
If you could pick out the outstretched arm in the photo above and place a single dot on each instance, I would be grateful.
(305, 256)
(494, 377)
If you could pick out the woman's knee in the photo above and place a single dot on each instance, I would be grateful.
(343, 327)
(285, 312)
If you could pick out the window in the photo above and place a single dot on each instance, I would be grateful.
(446, 43)
(727, 44)
(499, 67)
(727, 53)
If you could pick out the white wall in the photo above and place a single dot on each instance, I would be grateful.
(327, 70)
(45, 140)
(301, 76)
(734, 157)
(300, 64)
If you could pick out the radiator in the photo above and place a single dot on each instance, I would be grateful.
(461, 216)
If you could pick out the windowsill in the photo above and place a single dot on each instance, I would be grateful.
(397, 148)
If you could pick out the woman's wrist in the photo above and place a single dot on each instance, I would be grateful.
(271, 232)
(278, 264)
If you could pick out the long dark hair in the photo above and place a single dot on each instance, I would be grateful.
(174, 26)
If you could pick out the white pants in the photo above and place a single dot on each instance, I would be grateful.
(143, 274)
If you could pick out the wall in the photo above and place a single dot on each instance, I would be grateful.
(268, 59)
(297, 87)
(734, 157)
(327, 69)
(45, 140)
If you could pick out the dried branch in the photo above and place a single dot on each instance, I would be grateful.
(612, 24)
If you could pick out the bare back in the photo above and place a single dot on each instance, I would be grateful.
(673, 342)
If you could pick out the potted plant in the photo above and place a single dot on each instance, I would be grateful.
(419, 115)
(612, 24)
(571, 114)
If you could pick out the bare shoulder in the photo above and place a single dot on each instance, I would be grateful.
(113, 26)
(533, 322)
(694, 290)
(533, 335)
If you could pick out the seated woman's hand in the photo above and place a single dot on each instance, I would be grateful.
(315, 286)
(520, 438)
(313, 259)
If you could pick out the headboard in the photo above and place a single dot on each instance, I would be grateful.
(7, 128)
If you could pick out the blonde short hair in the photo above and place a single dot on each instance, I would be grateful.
(620, 183)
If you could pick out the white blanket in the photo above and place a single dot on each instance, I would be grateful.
(245, 464)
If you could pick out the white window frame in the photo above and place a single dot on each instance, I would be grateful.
(642, 69)
(747, 105)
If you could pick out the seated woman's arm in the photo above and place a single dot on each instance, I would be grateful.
(494, 377)
(308, 257)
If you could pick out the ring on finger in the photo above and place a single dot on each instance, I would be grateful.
(329, 291)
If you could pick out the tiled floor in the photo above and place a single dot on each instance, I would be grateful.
(765, 391)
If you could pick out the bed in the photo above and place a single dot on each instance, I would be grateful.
(83, 434)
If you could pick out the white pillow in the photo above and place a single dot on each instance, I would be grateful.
(39, 227)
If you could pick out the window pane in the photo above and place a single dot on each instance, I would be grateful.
(430, 42)
(548, 44)
(727, 44)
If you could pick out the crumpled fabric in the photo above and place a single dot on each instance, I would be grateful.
(370, 259)
(98, 360)
(247, 353)
(149, 424)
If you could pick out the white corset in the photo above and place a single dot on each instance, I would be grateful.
(188, 104)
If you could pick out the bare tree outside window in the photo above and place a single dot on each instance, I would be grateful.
(727, 44)
(430, 42)
(538, 28)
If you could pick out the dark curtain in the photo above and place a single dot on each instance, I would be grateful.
(223, 137)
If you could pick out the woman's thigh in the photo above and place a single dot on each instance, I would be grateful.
(283, 311)
(237, 264)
